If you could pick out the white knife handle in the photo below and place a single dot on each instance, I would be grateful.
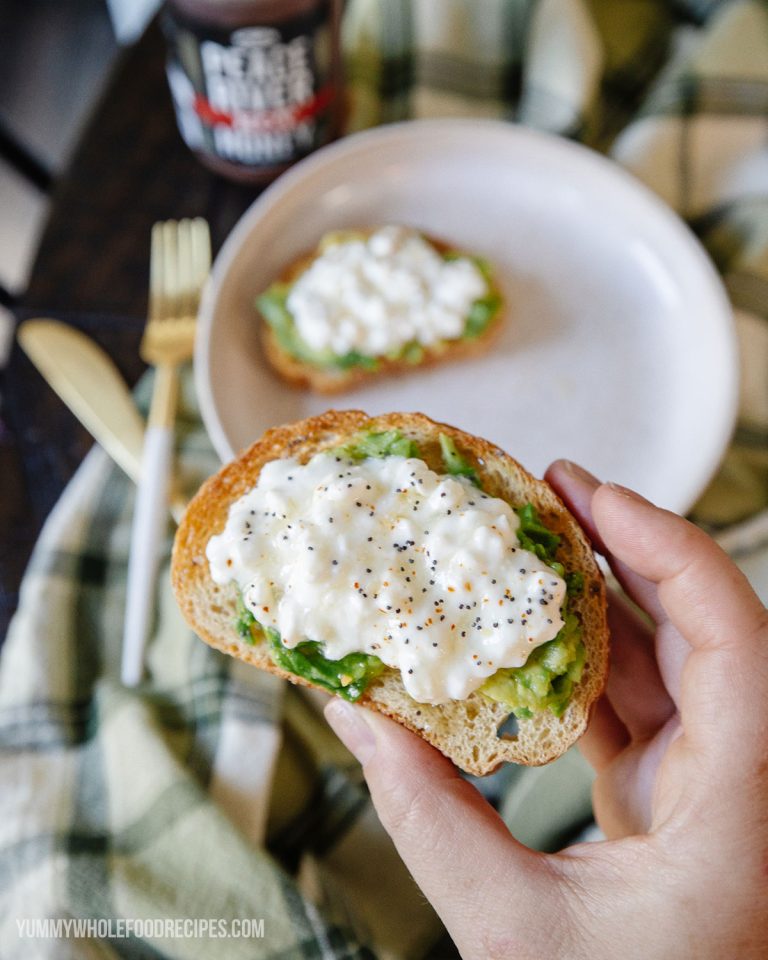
(147, 532)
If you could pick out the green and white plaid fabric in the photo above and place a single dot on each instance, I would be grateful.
(216, 794)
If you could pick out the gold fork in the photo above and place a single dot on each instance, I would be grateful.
(179, 262)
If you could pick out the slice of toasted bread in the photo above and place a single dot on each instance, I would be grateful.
(330, 380)
(466, 731)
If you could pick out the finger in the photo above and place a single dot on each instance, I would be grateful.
(672, 652)
(625, 791)
(635, 686)
(707, 599)
(457, 848)
(576, 487)
(606, 736)
(701, 590)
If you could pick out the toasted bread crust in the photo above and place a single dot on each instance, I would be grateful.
(465, 731)
(330, 380)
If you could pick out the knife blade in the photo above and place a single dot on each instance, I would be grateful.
(89, 383)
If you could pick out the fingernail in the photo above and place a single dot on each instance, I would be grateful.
(579, 473)
(350, 726)
(626, 492)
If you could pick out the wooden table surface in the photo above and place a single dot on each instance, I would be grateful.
(131, 168)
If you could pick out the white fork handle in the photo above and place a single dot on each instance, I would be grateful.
(147, 532)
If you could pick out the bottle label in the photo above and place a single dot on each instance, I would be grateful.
(257, 96)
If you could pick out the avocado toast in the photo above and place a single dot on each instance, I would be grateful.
(367, 303)
(550, 692)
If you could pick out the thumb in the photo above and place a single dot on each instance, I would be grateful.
(487, 888)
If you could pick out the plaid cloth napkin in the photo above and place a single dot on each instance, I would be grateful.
(215, 793)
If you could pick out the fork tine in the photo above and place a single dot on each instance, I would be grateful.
(156, 273)
(201, 252)
(170, 269)
(185, 267)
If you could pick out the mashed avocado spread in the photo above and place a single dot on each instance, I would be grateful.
(544, 682)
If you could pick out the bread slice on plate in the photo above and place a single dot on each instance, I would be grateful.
(327, 372)
(467, 730)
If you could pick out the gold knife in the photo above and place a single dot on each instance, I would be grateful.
(89, 383)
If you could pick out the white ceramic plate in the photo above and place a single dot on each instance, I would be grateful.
(619, 349)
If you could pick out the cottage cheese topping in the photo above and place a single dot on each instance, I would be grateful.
(387, 557)
(375, 296)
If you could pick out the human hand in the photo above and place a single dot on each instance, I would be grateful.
(680, 745)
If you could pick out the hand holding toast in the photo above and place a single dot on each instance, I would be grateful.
(680, 745)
